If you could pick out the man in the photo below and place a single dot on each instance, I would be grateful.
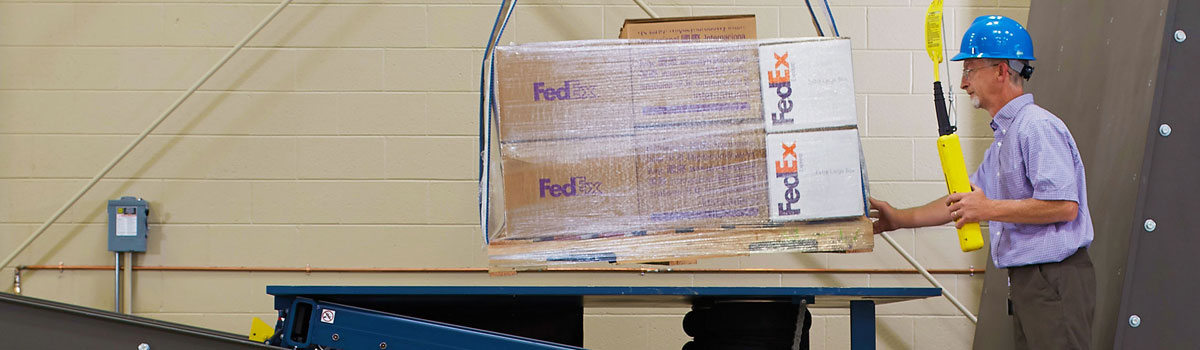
(1030, 188)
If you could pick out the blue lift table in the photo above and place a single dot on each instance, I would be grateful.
(556, 312)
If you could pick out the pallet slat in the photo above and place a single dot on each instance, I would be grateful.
(830, 236)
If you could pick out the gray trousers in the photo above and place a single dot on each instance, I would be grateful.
(1054, 304)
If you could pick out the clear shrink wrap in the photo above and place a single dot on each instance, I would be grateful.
(643, 151)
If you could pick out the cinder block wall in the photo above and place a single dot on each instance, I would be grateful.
(345, 135)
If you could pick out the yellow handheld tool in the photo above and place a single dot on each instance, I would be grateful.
(949, 149)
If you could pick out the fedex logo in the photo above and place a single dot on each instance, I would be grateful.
(780, 78)
(576, 186)
(570, 90)
(788, 168)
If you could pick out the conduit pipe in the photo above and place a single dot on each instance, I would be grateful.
(117, 282)
(649, 12)
(127, 294)
(143, 135)
(929, 277)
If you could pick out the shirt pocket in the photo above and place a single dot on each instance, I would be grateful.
(1010, 175)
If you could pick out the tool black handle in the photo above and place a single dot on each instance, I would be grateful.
(943, 117)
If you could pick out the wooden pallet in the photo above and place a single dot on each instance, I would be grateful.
(672, 247)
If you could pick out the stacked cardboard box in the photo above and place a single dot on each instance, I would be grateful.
(619, 138)
(807, 88)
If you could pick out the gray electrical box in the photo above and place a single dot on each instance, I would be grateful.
(127, 224)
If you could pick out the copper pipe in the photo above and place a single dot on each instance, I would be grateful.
(308, 269)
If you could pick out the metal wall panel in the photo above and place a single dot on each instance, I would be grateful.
(1097, 70)
(30, 323)
(1161, 285)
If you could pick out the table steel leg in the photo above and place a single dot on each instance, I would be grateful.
(862, 325)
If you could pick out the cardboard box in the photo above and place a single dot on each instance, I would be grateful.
(557, 91)
(636, 136)
(691, 28)
(569, 186)
(548, 92)
(695, 84)
(815, 175)
(807, 85)
(702, 178)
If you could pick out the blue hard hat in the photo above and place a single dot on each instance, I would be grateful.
(995, 37)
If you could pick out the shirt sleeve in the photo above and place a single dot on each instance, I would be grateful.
(1050, 161)
(978, 178)
(974, 177)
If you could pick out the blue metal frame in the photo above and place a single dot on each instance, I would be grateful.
(350, 327)
(866, 292)
(862, 325)
(369, 324)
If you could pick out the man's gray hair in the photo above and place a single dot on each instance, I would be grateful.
(1015, 67)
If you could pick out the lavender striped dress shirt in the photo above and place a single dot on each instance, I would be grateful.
(1033, 156)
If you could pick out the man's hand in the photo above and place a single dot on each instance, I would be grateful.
(968, 207)
(885, 214)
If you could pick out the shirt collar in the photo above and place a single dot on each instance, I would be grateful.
(1005, 117)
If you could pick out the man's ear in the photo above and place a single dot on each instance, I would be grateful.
(1004, 71)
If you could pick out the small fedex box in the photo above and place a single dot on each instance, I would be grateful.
(815, 175)
(806, 84)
